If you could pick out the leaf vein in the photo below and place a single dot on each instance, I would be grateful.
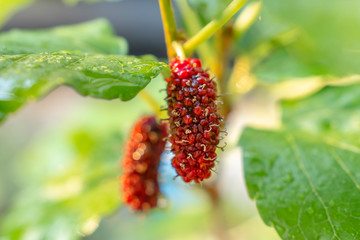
(299, 217)
(343, 167)
(292, 144)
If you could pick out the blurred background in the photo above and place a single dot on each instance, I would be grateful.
(60, 156)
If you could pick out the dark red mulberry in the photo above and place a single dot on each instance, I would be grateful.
(194, 121)
(141, 162)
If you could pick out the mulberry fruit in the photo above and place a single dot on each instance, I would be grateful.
(141, 162)
(194, 120)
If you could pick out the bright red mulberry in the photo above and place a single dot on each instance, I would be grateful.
(194, 120)
(141, 162)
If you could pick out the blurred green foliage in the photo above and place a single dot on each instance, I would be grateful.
(207, 10)
(66, 194)
(325, 41)
(296, 38)
(66, 177)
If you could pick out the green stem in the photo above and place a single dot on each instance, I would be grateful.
(178, 49)
(193, 26)
(213, 26)
(148, 98)
(168, 19)
(223, 43)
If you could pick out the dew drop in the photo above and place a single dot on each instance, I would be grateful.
(39, 60)
(30, 65)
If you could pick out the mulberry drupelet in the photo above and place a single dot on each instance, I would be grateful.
(141, 162)
(194, 120)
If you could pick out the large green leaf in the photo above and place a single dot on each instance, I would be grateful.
(305, 177)
(95, 36)
(33, 62)
(29, 76)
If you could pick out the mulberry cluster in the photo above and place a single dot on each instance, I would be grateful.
(194, 120)
(141, 162)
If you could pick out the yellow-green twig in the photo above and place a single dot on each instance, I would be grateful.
(144, 95)
(168, 19)
(193, 25)
(207, 31)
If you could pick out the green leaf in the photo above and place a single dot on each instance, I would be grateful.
(305, 177)
(31, 76)
(35, 62)
(95, 36)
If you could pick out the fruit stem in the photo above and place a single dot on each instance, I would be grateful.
(168, 19)
(223, 44)
(213, 26)
(179, 50)
(146, 97)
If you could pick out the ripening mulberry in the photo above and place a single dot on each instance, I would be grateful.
(141, 162)
(194, 120)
